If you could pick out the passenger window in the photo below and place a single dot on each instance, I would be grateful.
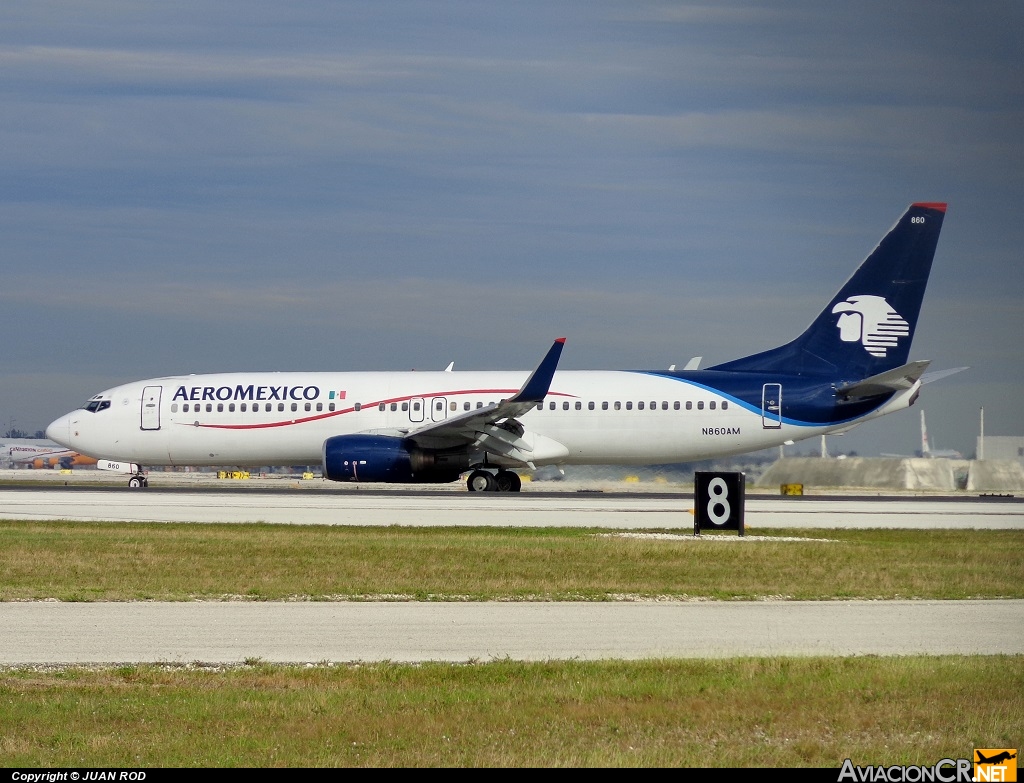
(231, 408)
(675, 405)
(295, 406)
(220, 407)
(320, 407)
(664, 405)
(309, 406)
(405, 406)
(689, 405)
(540, 406)
(394, 406)
(480, 404)
(711, 405)
(466, 405)
(453, 407)
(358, 406)
(618, 405)
(604, 406)
(700, 405)
(565, 405)
(209, 407)
(640, 405)
(280, 406)
(381, 407)
(590, 405)
(330, 406)
(174, 407)
(551, 405)
(242, 407)
(654, 405)
(725, 405)
(579, 405)
(629, 405)
(415, 407)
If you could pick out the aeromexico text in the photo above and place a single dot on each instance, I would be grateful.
(250, 392)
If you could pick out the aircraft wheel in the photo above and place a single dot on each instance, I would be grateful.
(508, 481)
(481, 481)
(134, 482)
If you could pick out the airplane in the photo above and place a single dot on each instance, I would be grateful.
(36, 453)
(1004, 756)
(65, 462)
(849, 366)
(929, 453)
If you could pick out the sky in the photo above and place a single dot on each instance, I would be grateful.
(331, 185)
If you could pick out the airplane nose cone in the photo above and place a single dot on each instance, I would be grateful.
(59, 430)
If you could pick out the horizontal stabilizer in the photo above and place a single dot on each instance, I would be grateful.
(897, 379)
(938, 375)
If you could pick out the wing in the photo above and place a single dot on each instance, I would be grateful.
(494, 427)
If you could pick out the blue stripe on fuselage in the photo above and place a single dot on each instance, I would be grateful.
(806, 402)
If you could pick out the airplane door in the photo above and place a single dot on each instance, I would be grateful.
(438, 409)
(771, 406)
(151, 407)
(416, 409)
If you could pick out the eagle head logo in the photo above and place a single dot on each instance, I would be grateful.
(871, 321)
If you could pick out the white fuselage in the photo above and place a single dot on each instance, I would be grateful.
(254, 419)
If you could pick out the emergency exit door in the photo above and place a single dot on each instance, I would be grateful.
(771, 406)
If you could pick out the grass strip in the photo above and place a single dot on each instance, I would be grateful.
(77, 561)
(666, 713)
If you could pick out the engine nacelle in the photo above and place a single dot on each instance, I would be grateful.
(387, 458)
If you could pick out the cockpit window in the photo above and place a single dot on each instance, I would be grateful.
(93, 406)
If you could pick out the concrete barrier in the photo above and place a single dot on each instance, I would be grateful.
(995, 475)
(869, 472)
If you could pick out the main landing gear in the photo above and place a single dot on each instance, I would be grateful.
(485, 481)
(138, 481)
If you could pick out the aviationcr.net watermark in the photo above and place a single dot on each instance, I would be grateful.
(989, 765)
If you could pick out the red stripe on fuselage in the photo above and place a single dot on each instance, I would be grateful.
(363, 406)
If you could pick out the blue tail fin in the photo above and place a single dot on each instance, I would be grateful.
(868, 326)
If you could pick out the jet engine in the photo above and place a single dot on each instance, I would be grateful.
(388, 458)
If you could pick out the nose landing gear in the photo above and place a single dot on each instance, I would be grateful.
(137, 481)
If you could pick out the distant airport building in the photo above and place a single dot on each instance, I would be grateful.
(1001, 447)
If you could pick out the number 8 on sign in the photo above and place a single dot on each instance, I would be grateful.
(719, 492)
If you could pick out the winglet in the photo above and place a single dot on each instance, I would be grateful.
(539, 382)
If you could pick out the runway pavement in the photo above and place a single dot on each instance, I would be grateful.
(580, 509)
(231, 632)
